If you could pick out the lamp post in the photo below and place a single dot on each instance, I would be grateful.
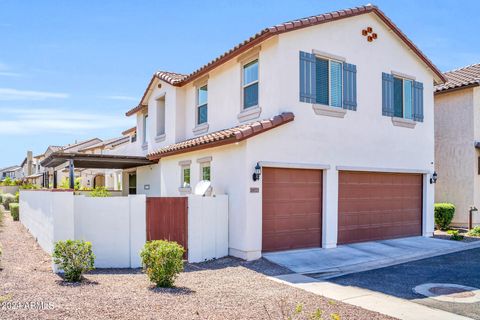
(470, 217)
(71, 175)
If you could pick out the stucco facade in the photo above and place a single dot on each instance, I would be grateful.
(361, 140)
(457, 128)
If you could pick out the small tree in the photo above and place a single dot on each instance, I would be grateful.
(74, 257)
(162, 261)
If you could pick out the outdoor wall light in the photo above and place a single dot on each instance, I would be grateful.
(433, 179)
(257, 172)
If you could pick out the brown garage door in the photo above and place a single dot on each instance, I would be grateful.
(292, 209)
(376, 206)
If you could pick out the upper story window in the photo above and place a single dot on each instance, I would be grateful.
(160, 116)
(402, 98)
(250, 84)
(185, 176)
(145, 128)
(329, 83)
(202, 105)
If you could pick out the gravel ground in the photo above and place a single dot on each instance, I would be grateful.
(224, 289)
(445, 236)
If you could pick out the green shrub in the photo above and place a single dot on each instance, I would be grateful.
(15, 211)
(7, 181)
(443, 215)
(28, 186)
(101, 192)
(7, 198)
(17, 197)
(475, 232)
(162, 261)
(74, 257)
(454, 235)
(1, 195)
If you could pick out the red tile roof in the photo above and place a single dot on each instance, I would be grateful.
(464, 77)
(130, 130)
(223, 137)
(182, 79)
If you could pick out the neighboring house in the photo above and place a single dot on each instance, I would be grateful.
(12, 172)
(457, 142)
(111, 179)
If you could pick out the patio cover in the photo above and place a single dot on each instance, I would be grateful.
(95, 161)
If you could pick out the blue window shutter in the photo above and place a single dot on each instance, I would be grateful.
(387, 95)
(322, 82)
(349, 86)
(418, 101)
(307, 77)
(398, 97)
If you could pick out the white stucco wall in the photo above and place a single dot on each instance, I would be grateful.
(115, 226)
(455, 154)
(362, 139)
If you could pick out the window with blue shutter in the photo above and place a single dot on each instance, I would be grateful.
(402, 97)
(307, 77)
(327, 82)
(387, 95)
(418, 101)
(349, 86)
(322, 81)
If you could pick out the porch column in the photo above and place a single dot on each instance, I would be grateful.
(43, 180)
(71, 175)
(47, 180)
(54, 179)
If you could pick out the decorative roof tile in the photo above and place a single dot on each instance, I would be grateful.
(459, 78)
(223, 137)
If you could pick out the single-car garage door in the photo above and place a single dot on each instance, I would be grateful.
(292, 208)
(376, 206)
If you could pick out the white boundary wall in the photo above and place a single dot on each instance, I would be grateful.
(207, 227)
(116, 226)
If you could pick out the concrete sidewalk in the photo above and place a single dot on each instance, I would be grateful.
(345, 259)
(370, 300)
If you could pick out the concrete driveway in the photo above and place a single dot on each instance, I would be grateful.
(326, 263)
(456, 270)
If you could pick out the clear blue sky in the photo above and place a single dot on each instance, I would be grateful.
(70, 69)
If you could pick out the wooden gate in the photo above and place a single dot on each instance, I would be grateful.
(167, 219)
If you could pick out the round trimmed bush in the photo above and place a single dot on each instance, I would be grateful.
(162, 261)
(7, 198)
(74, 257)
(444, 213)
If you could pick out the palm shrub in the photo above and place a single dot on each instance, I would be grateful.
(444, 213)
(475, 232)
(74, 257)
(100, 192)
(162, 261)
(7, 198)
(15, 211)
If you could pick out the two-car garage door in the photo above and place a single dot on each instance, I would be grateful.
(371, 206)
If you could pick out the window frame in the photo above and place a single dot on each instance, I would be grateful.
(185, 185)
(341, 62)
(206, 164)
(404, 78)
(243, 86)
(198, 105)
(160, 102)
(145, 133)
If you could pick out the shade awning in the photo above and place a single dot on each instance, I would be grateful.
(95, 161)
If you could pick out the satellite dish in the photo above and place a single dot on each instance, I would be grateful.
(203, 188)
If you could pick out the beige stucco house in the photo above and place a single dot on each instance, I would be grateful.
(457, 142)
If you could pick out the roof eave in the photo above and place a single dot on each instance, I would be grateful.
(457, 88)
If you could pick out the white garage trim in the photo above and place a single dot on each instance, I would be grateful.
(391, 170)
(291, 165)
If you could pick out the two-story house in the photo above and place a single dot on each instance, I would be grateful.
(457, 142)
(320, 130)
